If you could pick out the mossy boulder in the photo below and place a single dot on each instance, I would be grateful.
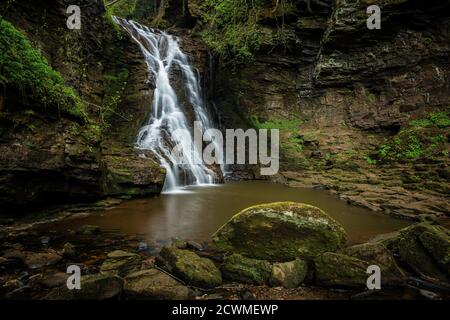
(239, 268)
(340, 270)
(280, 232)
(121, 263)
(378, 254)
(424, 248)
(155, 285)
(188, 266)
(288, 274)
(93, 287)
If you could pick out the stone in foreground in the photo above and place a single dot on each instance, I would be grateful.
(121, 263)
(188, 266)
(242, 269)
(280, 232)
(153, 284)
(288, 274)
(93, 287)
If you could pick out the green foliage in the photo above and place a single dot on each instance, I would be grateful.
(23, 67)
(370, 161)
(122, 8)
(115, 87)
(233, 31)
(425, 137)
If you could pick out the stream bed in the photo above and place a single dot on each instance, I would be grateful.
(197, 212)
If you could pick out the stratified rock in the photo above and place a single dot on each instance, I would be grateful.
(93, 287)
(41, 259)
(339, 270)
(280, 232)
(121, 263)
(378, 254)
(88, 230)
(288, 274)
(154, 284)
(239, 268)
(187, 265)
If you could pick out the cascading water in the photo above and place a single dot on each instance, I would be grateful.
(163, 56)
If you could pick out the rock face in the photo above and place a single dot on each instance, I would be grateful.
(187, 265)
(52, 158)
(155, 285)
(93, 287)
(121, 263)
(280, 232)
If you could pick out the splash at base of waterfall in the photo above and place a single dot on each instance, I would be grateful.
(164, 58)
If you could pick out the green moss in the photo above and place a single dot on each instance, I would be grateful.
(24, 68)
(115, 85)
(122, 8)
(242, 269)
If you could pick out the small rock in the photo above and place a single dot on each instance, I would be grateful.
(142, 246)
(187, 265)
(54, 279)
(239, 268)
(44, 240)
(154, 284)
(288, 274)
(429, 295)
(121, 263)
(88, 230)
(194, 245)
(69, 251)
(93, 287)
(38, 260)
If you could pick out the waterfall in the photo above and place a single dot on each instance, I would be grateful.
(163, 56)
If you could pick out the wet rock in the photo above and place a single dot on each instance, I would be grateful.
(41, 259)
(141, 247)
(154, 284)
(280, 232)
(378, 254)
(187, 265)
(239, 268)
(121, 262)
(88, 230)
(288, 274)
(69, 251)
(54, 279)
(436, 240)
(93, 287)
(194, 245)
(339, 270)
(44, 240)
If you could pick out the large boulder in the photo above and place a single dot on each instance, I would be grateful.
(121, 263)
(280, 232)
(424, 248)
(93, 287)
(339, 270)
(288, 274)
(155, 285)
(239, 268)
(188, 266)
(378, 254)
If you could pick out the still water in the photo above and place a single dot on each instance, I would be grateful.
(199, 211)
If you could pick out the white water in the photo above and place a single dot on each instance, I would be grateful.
(163, 56)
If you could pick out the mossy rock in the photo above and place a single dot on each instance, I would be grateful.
(121, 263)
(153, 284)
(378, 254)
(93, 287)
(239, 268)
(280, 232)
(425, 249)
(339, 270)
(288, 274)
(187, 265)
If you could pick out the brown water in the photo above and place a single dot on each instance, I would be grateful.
(199, 212)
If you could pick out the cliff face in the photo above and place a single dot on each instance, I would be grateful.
(47, 156)
(345, 97)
